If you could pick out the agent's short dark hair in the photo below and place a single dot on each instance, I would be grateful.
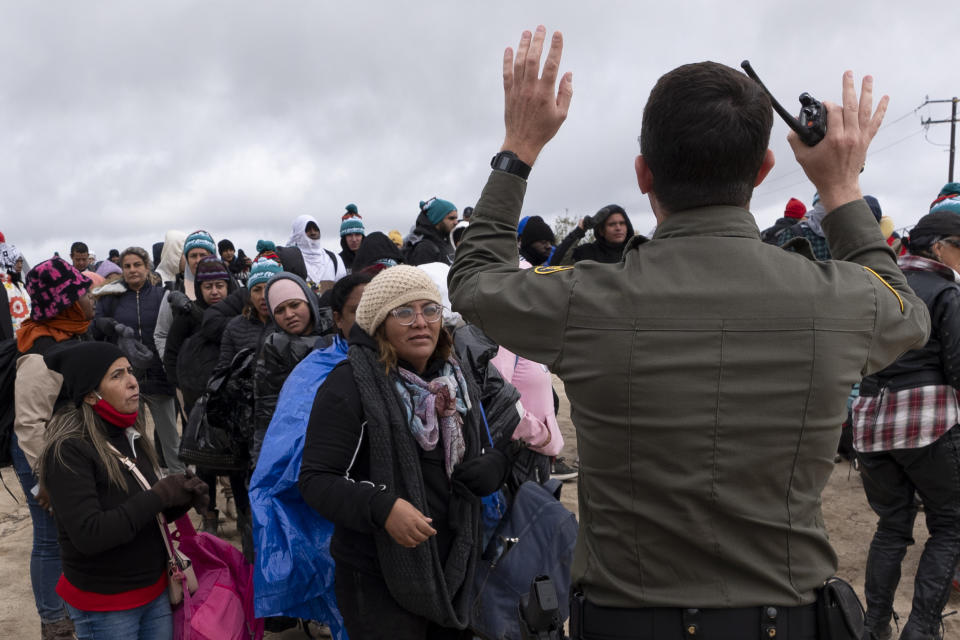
(225, 245)
(705, 131)
(79, 247)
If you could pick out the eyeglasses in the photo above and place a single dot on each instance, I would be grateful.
(407, 315)
(953, 242)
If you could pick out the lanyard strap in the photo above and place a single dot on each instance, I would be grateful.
(161, 521)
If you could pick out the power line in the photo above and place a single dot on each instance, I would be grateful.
(872, 152)
(888, 124)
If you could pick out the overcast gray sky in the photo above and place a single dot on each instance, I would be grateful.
(122, 120)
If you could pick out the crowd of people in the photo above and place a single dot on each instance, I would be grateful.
(706, 370)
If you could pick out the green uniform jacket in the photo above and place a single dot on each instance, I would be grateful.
(707, 375)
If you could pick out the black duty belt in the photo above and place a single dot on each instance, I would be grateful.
(591, 622)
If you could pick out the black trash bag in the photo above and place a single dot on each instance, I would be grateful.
(220, 425)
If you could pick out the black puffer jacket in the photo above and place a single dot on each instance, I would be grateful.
(138, 310)
(242, 333)
(190, 357)
(426, 244)
(280, 353)
(938, 362)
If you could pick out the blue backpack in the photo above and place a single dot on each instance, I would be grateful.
(535, 538)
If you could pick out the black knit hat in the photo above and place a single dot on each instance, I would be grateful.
(210, 268)
(536, 229)
(931, 227)
(82, 366)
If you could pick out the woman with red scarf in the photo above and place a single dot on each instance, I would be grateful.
(113, 554)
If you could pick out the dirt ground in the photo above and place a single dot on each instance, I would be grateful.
(849, 521)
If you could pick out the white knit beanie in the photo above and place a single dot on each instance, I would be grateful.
(391, 288)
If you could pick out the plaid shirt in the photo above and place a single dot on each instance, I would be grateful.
(910, 418)
(821, 250)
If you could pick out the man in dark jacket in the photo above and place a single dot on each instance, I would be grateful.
(707, 371)
(132, 312)
(791, 215)
(536, 241)
(611, 231)
(351, 237)
(430, 240)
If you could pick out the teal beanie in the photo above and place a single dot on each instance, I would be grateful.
(351, 225)
(948, 200)
(263, 270)
(437, 209)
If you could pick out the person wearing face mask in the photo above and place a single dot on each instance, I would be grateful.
(324, 267)
(906, 436)
(284, 526)
(393, 430)
(294, 308)
(54, 320)
(114, 560)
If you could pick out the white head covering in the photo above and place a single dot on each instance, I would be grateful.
(319, 265)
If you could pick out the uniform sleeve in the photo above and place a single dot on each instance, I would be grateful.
(902, 319)
(524, 310)
(71, 483)
(35, 394)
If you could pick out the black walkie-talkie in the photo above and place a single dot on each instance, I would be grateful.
(811, 126)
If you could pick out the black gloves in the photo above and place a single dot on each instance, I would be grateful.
(484, 474)
(179, 302)
(106, 326)
(182, 489)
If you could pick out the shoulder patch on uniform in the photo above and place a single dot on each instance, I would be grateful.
(887, 285)
(545, 271)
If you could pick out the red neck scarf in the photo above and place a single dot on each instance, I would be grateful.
(106, 411)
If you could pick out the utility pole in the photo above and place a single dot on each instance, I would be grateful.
(953, 130)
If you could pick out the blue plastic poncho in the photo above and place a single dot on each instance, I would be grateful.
(293, 570)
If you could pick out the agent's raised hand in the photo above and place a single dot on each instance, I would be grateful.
(834, 164)
(534, 108)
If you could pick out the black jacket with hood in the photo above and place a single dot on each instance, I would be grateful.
(426, 244)
(280, 353)
(191, 355)
(376, 246)
(599, 250)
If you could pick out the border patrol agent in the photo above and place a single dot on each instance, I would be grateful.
(707, 372)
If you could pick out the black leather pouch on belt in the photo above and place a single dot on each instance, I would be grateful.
(576, 613)
(839, 612)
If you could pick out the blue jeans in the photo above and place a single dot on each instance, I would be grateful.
(152, 621)
(45, 557)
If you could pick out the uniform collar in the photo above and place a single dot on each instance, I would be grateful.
(709, 221)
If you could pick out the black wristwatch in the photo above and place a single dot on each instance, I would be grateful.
(509, 162)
